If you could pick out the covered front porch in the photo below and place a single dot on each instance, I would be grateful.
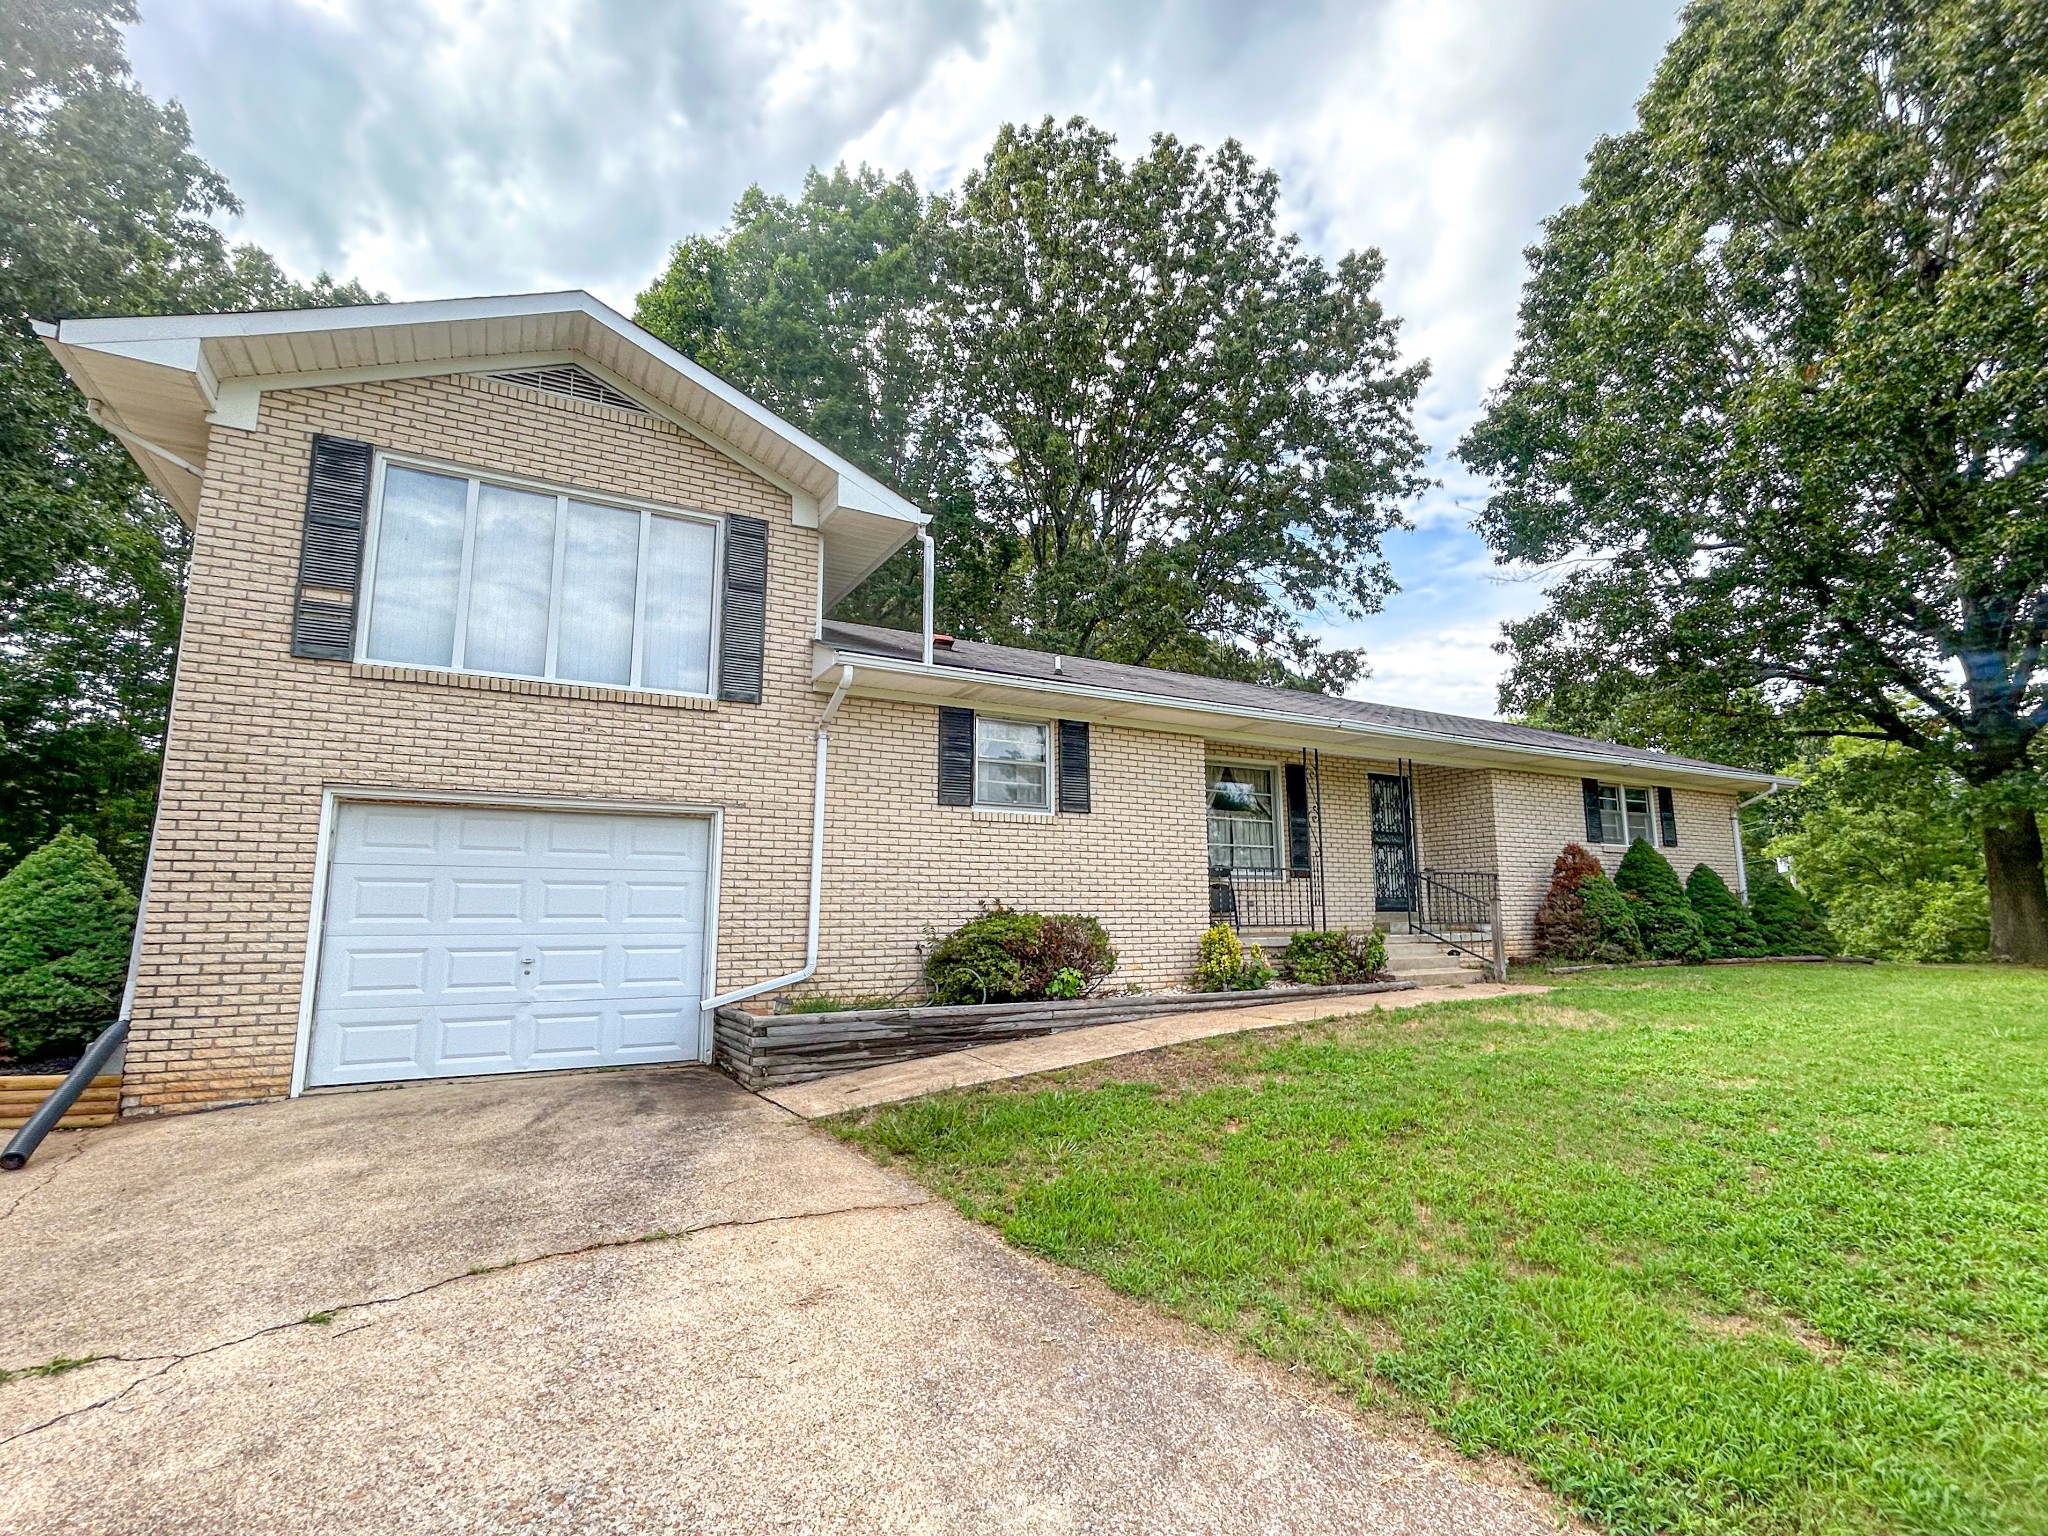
(1316, 840)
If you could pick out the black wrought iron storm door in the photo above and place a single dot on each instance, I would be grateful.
(1393, 842)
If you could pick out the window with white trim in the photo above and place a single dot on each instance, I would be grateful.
(1010, 764)
(1244, 820)
(471, 575)
(1626, 814)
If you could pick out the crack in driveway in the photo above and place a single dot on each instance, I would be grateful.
(167, 1363)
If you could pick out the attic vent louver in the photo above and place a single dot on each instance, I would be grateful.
(568, 379)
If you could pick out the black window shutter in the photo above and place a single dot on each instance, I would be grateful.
(956, 757)
(743, 623)
(1591, 790)
(331, 549)
(1074, 765)
(1298, 851)
(1667, 817)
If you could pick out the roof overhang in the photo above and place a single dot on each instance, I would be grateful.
(161, 383)
(887, 677)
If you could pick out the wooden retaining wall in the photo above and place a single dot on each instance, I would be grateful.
(776, 1049)
(21, 1095)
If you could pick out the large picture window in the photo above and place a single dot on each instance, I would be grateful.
(1244, 827)
(473, 576)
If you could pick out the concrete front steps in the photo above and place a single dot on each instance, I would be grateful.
(1410, 956)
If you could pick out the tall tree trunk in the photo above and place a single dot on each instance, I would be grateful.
(2019, 900)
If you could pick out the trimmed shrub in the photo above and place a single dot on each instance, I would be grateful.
(1669, 926)
(1225, 967)
(1015, 957)
(1564, 929)
(1616, 939)
(1730, 930)
(1333, 957)
(1787, 919)
(65, 921)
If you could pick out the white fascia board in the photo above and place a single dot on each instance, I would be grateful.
(964, 679)
(149, 330)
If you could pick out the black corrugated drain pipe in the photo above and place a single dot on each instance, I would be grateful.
(22, 1145)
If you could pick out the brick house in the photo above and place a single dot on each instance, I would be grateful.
(510, 731)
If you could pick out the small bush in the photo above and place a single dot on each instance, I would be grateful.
(1333, 957)
(1067, 984)
(1014, 957)
(1616, 939)
(1787, 919)
(1225, 967)
(1730, 930)
(1564, 929)
(65, 921)
(1670, 928)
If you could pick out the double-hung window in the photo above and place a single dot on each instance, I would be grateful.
(1010, 764)
(472, 575)
(1244, 826)
(1626, 814)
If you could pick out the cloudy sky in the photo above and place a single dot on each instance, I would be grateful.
(447, 147)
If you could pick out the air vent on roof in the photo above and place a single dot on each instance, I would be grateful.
(568, 379)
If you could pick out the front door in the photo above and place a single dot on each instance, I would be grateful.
(1393, 850)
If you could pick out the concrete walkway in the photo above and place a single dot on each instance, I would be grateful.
(619, 1302)
(1071, 1048)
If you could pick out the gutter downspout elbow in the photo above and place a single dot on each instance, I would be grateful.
(1741, 857)
(810, 965)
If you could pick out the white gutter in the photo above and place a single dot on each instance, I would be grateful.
(810, 965)
(1308, 722)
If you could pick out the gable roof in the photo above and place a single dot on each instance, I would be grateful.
(160, 383)
(1317, 718)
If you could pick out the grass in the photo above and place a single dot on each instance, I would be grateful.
(1758, 1249)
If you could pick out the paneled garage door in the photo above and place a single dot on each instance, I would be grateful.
(467, 939)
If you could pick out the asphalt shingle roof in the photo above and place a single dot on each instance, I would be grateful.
(1011, 661)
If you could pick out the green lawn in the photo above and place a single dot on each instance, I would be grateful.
(1742, 1248)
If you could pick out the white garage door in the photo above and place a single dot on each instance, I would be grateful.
(465, 939)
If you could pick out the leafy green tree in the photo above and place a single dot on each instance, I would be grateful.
(1884, 841)
(816, 306)
(1730, 931)
(1192, 429)
(1670, 928)
(65, 920)
(104, 209)
(1150, 428)
(1781, 396)
(1786, 918)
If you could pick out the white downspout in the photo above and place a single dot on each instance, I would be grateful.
(810, 965)
(1742, 858)
(930, 589)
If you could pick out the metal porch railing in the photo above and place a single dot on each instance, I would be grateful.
(1460, 909)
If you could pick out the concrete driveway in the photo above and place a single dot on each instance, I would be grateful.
(621, 1301)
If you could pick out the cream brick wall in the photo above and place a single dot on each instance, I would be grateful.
(257, 734)
(1537, 814)
(1454, 814)
(897, 863)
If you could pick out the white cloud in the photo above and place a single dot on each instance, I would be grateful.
(475, 146)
